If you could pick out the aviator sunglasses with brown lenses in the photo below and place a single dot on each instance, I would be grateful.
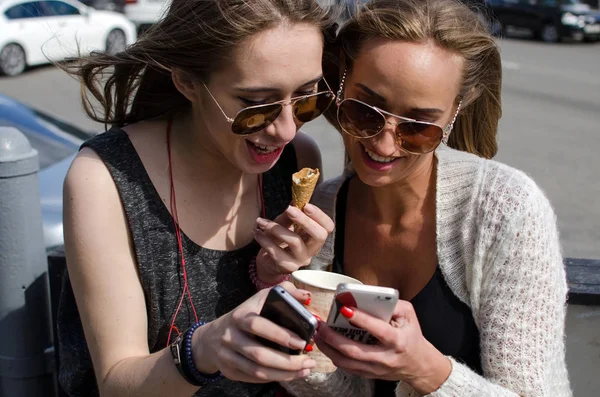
(256, 118)
(361, 120)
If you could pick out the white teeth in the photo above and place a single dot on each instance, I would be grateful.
(264, 149)
(378, 158)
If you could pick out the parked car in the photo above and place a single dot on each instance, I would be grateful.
(549, 20)
(38, 32)
(145, 13)
(57, 142)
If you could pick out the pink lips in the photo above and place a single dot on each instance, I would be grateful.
(263, 158)
(376, 165)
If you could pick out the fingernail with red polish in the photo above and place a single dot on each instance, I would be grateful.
(347, 312)
(308, 348)
(307, 301)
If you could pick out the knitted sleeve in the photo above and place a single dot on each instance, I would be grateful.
(518, 297)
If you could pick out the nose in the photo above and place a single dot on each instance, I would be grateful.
(284, 128)
(386, 142)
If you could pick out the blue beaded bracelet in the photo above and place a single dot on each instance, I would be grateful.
(189, 366)
(202, 378)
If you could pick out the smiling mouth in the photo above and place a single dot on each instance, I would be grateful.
(263, 149)
(380, 159)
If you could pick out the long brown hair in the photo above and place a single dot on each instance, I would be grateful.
(452, 26)
(195, 36)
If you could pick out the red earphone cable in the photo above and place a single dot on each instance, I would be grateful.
(174, 215)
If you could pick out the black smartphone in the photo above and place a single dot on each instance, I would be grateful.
(284, 310)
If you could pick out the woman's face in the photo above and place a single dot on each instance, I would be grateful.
(414, 80)
(276, 64)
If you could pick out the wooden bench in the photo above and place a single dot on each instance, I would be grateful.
(583, 276)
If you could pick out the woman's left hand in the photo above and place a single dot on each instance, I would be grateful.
(284, 250)
(402, 355)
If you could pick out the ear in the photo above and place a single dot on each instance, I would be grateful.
(186, 84)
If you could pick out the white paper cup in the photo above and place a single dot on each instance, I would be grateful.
(322, 286)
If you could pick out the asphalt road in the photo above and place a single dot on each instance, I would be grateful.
(550, 130)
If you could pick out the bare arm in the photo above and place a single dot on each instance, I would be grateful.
(102, 268)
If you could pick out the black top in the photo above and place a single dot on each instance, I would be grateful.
(218, 280)
(446, 322)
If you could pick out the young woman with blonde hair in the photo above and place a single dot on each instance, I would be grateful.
(471, 244)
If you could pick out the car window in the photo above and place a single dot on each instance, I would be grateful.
(59, 8)
(32, 9)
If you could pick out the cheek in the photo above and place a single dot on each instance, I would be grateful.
(350, 143)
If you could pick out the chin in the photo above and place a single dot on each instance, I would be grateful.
(372, 180)
(248, 166)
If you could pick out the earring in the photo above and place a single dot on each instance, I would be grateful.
(338, 98)
(446, 132)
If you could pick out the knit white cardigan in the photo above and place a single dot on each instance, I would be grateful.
(499, 252)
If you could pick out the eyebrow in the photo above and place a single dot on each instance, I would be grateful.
(367, 90)
(272, 89)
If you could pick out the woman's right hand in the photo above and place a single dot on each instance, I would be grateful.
(228, 345)
(285, 248)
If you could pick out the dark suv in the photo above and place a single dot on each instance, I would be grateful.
(548, 20)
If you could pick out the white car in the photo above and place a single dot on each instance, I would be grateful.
(38, 32)
(145, 13)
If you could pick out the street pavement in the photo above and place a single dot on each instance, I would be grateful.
(550, 129)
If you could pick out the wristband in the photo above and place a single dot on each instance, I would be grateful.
(181, 352)
(258, 282)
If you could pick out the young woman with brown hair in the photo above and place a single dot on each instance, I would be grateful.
(161, 211)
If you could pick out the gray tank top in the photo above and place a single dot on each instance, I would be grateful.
(218, 280)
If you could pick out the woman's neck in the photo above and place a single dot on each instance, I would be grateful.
(403, 203)
(200, 161)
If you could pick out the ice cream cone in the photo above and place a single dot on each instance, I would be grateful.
(303, 185)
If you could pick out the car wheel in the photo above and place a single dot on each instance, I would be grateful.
(549, 34)
(116, 41)
(12, 60)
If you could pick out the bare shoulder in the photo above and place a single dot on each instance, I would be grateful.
(307, 152)
(102, 265)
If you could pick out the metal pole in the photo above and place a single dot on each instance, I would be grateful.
(25, 325)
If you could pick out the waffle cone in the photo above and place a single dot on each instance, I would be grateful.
(303, 185)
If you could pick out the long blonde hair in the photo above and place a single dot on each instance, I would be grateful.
(452, 26)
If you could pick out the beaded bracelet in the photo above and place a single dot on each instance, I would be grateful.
(257, 281)
(185, 364)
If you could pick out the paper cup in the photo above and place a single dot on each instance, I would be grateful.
(322, 286)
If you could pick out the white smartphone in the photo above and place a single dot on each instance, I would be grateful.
(377, 301)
